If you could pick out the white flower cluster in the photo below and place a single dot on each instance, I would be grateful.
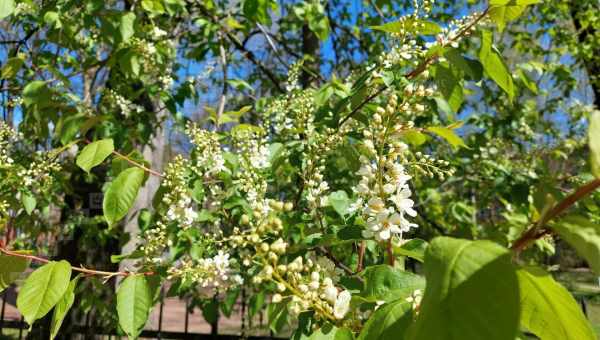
(38, 177)
(177, 197)
(208, 154)
(254, 158)
(318, 146)
(456, 30)
(7, 138)
(308, 286)
(213, 272)
(383, 191)
(124, 105)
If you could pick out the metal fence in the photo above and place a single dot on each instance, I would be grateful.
(190, 326)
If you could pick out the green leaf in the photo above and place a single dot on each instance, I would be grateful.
(126, 28)
(43, 289)
(7, 7)
(134, 301)
(257, 301)
(94, 154)
(229, 301)
(340, 202)
(494, 65)
(450, 86)
(11, 67)
(594, 142)
(11, 268)
(468, 282)
(527, 82)
(383, 282)
(414, 248)
(472, 69)
(257, 10)
(330, 332)
(414, 137)
(388, 322)
(548, 310)
(121, 194)
(37, 92)
(277, 313)
(29, 202)
(449, 135)
(582, 235)
(513, 2)
(62, 307)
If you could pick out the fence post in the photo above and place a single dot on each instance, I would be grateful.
(160, 315)
(2, 313)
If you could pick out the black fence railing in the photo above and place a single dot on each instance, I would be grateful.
(13, 326)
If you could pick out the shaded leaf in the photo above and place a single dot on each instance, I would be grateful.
(11, 268)
(62, 307)
(494, 65)
(388, 322)
(582, 235)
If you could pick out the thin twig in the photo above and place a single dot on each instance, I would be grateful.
(77, 269)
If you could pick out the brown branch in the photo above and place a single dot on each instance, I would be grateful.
(539, 228)
(106, 274)
(417, 71)
(245, 52)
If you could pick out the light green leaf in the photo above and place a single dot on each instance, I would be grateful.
(11, 67)
(389, 322)
(43, 289)
(340, 202)
(449, 135)
(594, 142)
(62, 307)
(527, 81)
(513, 2)
(11, 268)
(502, 15)
(121, 194)
(29, 202)
(126, 26)
(582, 235)
(548, 310)
(383, 282)
(472, 292)
(414, 248)
(134, 301)
(414, 137)
(7, 7)
(94, 153)
(494, 65)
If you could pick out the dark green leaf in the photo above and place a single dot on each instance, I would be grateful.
(383, 282)
(11, 268)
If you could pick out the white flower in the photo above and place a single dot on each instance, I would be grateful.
(330, 293)
(403, 202)
(276, 298)
(342, 304)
